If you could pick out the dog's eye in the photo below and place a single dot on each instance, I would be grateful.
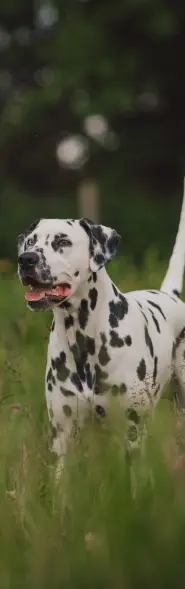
(65, 242)
(30, 241)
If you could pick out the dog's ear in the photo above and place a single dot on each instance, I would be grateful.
(103, 243)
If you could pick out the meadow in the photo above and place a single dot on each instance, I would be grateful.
(113, 521)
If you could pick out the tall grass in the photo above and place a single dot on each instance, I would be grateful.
(113, 520)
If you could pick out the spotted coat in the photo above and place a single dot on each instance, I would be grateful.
(103, 343)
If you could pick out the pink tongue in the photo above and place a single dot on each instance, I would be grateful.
(41, 293)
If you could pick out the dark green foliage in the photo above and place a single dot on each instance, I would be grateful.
(122, 60)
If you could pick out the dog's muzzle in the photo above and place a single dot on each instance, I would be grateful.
(40, 295)
(27, 264)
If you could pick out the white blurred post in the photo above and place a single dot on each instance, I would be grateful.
(88, 200)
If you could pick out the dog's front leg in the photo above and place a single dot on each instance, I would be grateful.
(67, 415)
(60, 444)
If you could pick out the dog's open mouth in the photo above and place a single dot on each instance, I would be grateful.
(51, 294)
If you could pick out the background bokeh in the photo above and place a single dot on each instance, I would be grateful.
(92, 97)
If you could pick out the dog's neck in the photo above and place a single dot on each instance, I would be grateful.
(91, 296)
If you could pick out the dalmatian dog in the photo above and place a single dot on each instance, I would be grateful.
(102, 342)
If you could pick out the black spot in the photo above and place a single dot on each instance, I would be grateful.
(117, 312)
(100, 386)
(124, 303)
(89, 376)
(173, 350)
(60, 241)
(68, 321)
(115, 340)
(149, 341)
(81, 365)
(61, 359)
(49, 374)
(118, 389)
(157, 307)
(80, 340)
(115, 290)
(93, 277)
(62, 370)
(155, 370)
(49, 386)
(117, 309)
(99, 240)
(93, 295)
(50, 377)
(103, 355)
(53, 432)
(145, 318)
(66, 393)
(100, 236)
(176, 293)
(141, 370)
(90, 343)
(155, 321)
(153, 292)
(53, 325)
(75, 351)
(128, 340)
(139, 305)
(100, 410)
(113, 242)
(76, 381)
(65, 305)
(67, 410)
(133, 415)
(123, 388)
(113, 320)
(83, 313)
(76, 273)
(80, 350)
(85, 342)
(99, 259)
(69, 222)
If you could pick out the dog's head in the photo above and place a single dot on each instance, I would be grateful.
(56, 256)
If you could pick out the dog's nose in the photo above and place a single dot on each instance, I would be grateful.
(28, 260)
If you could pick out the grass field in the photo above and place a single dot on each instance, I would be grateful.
(110, 523)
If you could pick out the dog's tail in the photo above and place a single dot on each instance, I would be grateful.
(173, 281)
